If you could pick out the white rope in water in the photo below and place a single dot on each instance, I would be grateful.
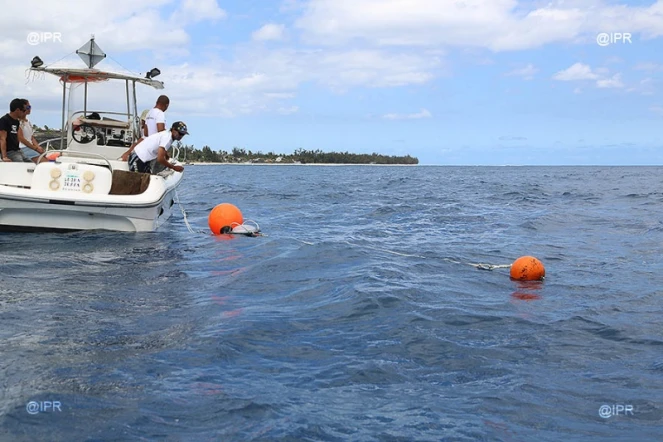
(188, 226)
(387, 251)
(186, 220)
(490, 266)
(477, 266)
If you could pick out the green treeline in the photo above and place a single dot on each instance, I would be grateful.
(189, 153)
(300, 156)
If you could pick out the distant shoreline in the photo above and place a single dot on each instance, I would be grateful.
(294, 164)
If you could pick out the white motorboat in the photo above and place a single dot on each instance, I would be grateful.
(88, 186)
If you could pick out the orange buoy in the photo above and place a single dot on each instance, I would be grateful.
(223, 218)
(527, 268)
(52, 156)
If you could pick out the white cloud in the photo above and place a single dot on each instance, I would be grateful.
(256, 80)
(602, 72)
(193, 11)
(613, 82)
(424, 113)
(527, 72)
(291, 5)
(118, 26)
(648, 67)
(259, 80)
(369, 68)
(499, 25)
(268, 32)
(287, 110)
(279, 95)
(578, 71)
(646, 86)
(657, 110)
(228, 80)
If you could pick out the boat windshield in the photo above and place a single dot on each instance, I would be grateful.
(106, 99)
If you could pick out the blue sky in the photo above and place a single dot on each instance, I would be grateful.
(472, 82)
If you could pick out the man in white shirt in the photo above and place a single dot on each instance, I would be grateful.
(155, 121)
(155, 147)
(152, 122)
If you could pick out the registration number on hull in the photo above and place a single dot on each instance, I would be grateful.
(72, 181)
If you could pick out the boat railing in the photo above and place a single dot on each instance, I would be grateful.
(48, 142)
(66, 152)
(48, 150)
(176, 152)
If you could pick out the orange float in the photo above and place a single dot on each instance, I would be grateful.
(83, 78)
(527, 268)
(223, 218)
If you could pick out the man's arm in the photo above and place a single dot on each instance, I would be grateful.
(32, 144)
(36, 145)
(162, 159)
(3, 145)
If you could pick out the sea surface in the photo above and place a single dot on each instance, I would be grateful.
(361, 314)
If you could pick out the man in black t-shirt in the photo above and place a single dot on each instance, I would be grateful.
(9, 123)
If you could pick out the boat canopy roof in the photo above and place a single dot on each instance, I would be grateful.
(73, 75)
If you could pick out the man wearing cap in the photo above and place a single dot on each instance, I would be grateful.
(155, 147)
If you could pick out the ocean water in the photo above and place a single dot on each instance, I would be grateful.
(360, 315)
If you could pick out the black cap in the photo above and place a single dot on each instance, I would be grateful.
(180, 127)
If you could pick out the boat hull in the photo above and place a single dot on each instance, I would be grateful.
(30, 215)
(32, 209)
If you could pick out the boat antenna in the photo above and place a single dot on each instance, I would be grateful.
(91, 53)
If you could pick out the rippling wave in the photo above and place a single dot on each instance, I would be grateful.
(360, 315)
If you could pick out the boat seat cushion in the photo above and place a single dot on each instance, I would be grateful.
(129, 183)
(106, 123)
(72, 177)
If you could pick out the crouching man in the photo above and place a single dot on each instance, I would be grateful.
(155, 146)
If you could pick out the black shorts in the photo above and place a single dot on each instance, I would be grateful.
(137, 165)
